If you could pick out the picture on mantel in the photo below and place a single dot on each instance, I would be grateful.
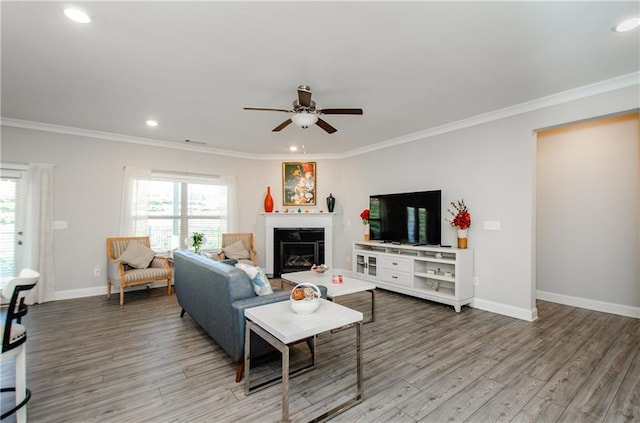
(299, 183)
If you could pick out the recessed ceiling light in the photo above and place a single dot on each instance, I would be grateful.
(152, 123)
(293, 148)
(627, 25)
(77, 15)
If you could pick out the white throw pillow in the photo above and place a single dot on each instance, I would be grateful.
(236, 251)
(259, 279)
(261, 283)
(251, 271)
(137, 255)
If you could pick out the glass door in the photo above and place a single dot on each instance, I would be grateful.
(12, 206)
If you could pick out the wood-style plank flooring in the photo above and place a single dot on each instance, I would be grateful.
(90, 360)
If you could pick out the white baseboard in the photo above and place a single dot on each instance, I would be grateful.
(505, 310)
(100, 290)
(80, 293)
(619, 309)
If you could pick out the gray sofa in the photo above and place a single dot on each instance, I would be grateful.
(215, 294)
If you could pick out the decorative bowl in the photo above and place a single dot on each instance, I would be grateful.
(320, 269)
(305, 298)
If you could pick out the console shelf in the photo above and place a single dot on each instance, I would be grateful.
(438, 274)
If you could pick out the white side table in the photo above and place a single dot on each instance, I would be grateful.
(277, 324)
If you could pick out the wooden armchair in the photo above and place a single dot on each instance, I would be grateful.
(124, 275)
(247, 240)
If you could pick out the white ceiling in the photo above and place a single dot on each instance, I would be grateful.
(193, 66)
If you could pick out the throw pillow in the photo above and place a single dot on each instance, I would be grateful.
(251, 271)
(236, 251)
(261, 283)
(259, 279)
(137, 255)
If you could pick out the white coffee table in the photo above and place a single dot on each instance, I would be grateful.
(351, 284)
(277, 324)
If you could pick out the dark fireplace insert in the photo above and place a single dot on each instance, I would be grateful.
(297, 249)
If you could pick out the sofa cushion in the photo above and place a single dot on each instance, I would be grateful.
(258, 278)
(236, 251)
(137, 255)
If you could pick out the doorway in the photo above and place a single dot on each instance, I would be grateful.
(588, 214)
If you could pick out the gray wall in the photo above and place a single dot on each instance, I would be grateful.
(88, 184)
(587, 208)
(491, 165)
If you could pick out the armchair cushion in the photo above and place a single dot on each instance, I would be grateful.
(137, 255)
(236, 251)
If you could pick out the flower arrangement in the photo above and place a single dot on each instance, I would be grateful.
(365, 216)
(195, 240)
(461, 217)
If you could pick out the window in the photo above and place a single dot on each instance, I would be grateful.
(171, 207)
(178, 209)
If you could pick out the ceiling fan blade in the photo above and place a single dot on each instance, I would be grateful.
(281, 126)
(324, 125)
(340, 111)
(268, 109)
(304, 95)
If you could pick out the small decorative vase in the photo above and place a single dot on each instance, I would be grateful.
(331, 202)
(268, 201)
(462, 238)
(366, 232)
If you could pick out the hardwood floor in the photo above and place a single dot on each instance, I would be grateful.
(90, 360)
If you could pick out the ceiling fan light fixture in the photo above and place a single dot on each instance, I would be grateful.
(627, 25)
(304, 119)
(77, 15)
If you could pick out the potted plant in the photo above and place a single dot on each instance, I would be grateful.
(364, 215)
(196, 240)
(461, 220)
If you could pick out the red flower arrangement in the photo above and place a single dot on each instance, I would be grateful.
(461, 218)
(365, 216)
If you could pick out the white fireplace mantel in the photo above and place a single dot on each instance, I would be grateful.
(298, 220)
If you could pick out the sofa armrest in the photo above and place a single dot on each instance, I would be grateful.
(240, 306)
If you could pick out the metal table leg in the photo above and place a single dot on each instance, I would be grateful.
(287, 374)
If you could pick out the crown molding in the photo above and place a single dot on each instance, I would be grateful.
(597, 88)
(110, 136)
(601, 87)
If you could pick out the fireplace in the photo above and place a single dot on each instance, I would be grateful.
(297, 221)
(297, 249)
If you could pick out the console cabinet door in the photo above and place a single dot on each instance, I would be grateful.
(365, 264)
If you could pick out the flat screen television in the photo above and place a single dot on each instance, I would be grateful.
(409, 218)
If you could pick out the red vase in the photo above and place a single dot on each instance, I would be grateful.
(268, 201)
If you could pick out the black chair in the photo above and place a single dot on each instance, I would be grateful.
(14, 336)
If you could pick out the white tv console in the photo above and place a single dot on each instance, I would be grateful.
(438, 274)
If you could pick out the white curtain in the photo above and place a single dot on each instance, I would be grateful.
(232, 203)
(134, 205)
(38, 234)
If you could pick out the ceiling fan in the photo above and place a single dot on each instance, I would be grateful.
(305, 112)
